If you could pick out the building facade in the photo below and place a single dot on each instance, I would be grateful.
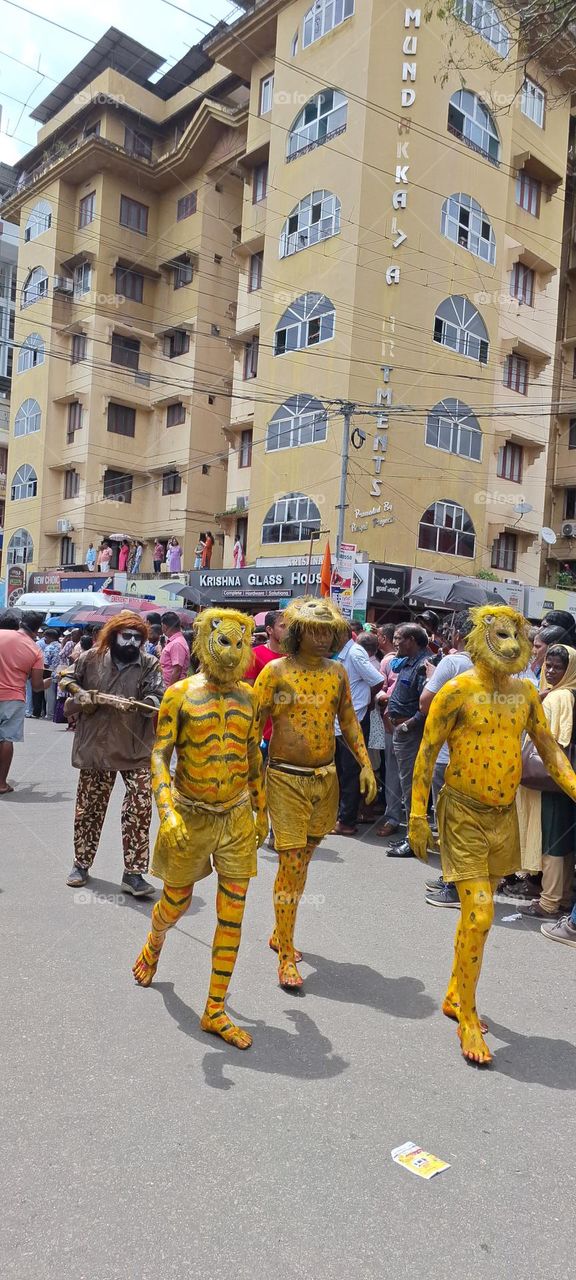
(126, 290)
(399, 250)
(8, 261)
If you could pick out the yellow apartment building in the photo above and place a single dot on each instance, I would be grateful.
(342, 203)
(399, 250)
(126, 290)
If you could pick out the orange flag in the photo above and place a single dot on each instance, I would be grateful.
(326, 573)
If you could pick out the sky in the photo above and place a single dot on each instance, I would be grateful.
(49, 53)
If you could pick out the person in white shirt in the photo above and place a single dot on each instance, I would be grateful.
(365, 681)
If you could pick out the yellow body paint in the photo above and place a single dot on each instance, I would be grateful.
(206, 817)
(482, 715)
(302, 694)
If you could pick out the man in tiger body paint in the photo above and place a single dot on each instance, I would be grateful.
(482, 715)
(303, 693)
(215, 810)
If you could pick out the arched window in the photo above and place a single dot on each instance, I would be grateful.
(464, 222)
(20, 548)
(458, 325)
(316, 217)
(447, 529)
(308, 321)
(31, 352)
(291, 519)
(322, 118)
(483, 16)
(470, 120)
(24, 484)
(35, 286)
(39, 220)
(28, 418)
(323, 17)
(452, 427)
(300, 420)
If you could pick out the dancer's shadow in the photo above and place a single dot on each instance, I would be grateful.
(358, 984)
(34, 791)
(306, 1055)
(115, 895)
(535, 1059)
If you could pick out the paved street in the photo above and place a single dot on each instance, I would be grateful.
(135, 1147)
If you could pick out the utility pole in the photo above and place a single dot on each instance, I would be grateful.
(347, 411)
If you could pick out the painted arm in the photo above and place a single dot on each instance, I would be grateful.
(256, 779)
(172, 827)
(550, 751)
(354, 739)
(265, 691)
(440, 721)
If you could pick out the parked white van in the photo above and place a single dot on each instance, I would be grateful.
(57, 602)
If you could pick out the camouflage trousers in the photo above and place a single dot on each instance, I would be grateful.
(94, 791)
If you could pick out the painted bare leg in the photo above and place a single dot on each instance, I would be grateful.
(451, 1005)
(230, 904)
(474, 925)
(288, 889)
(275, 946)
(167, 911)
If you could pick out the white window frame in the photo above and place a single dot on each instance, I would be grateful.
(31, 353)
(24, 483)
(457, 331)
(28, 418)
(452, 428)
(478, 130)
(317, 317)
(518, 367)
(38, 221)
(315, 218)
(317, 122)
(35, 286)
(324, 16)
(464, 222)
(528, 193)
(305, 514)
(82, 279)
(20, 542)
(484, 18)
(266, 94)
(442, 511)
(299, 422)
(533, 102)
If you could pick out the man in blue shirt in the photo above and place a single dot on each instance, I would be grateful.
(404, 716)
(365, 680)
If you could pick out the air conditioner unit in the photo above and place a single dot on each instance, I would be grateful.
(63, 526)
(569, 529)
(62, 284)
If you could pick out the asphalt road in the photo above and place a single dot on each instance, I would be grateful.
(136, 1147)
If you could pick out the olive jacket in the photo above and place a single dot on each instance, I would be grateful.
(111, 739)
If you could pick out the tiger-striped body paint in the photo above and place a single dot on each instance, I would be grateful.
(211, 721)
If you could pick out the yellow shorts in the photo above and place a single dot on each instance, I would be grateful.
(301, 807)
(225, 842)
(477, 842)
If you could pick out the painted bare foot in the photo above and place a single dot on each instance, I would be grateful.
(273, 944)
(216, 1022)
(451, 1009)
(146, 966)
(473, 1045)
(288, 976)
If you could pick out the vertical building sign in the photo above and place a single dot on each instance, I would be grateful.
(398, 236)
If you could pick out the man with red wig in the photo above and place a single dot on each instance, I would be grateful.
(114, 734)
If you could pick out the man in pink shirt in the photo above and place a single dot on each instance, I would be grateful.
(20, 658)
(175, 656)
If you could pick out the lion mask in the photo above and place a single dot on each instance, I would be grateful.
(499, 639)
(223, 644)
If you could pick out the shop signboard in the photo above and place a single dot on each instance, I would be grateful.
(387, 583)
(342, 586)
(15, 584)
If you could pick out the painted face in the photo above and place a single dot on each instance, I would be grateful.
(317, 642)
(126, 645)
(555, 668)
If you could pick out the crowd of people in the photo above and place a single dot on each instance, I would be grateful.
(394, 673)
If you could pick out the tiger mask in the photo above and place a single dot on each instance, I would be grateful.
(223, 644)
